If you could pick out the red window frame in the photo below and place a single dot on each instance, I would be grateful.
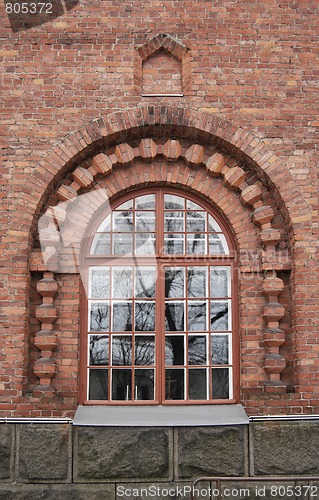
(162, 260)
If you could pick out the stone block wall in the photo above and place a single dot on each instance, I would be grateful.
(59, 461)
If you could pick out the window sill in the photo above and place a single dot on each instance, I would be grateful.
(160, 416)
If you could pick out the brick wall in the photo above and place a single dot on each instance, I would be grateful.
(253, 64)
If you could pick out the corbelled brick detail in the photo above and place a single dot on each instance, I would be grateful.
(46, 340)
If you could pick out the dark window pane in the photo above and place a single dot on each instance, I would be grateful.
(98, 384)
(100, 283)
(174, 316)
(145, 281)
(122, 317)
(174, 384)
(219, 316)
(173, 222)
(144, 349)
(174, 350)
(121, 350)
(172, 202)
(99, 350)
(121, 384)
(122, 243)
(217, 244)
(122, 282)
(196, 222)
(196, 244)
(213, 226)
(145, 221)
(219, 282)
(220, 383)
(145, 243)
(175, 282)
(197, 350)
(144, 385)
(146, 202)
(197, 316)
(123, 221)
(220, 350)
(144, 316)
(197, 279)
(174, 244)
(197, 384)
(99, 317)
(101, 244)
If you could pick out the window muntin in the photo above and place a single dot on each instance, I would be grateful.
(160, 333)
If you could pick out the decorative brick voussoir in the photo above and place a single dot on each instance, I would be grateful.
(272, 286)
(195, 154)
(102, 163)
(172, 150)
(274, 363)
(270, 236)
(273, 337)
(273, 312)
(263, 215)
(235, 176)
(124, 153)
(216, 163)
(83, 177)
(251, 194)
(65, 193)
(148, 149)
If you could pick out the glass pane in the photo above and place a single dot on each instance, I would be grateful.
(144, 316)
(123, 221)
(197, 350)
(220, 383)
(100, 282)
(197, 384)
(219, 282)
(99, 316)
(197, 279)
(197, 317)
(196, 244)
(174, 282)
(172, 202)
(144, 349)
(145, 281)
(121, 384)
(145, 221)
(145, 244)
(122, 317)
(145, 202)
(122, 350)
(174, 384)
(220, 350)
(122, 243)
(196, 222)
(101, 244)
(127, 205)
(219, 316)
(122, 283)
(174, 244)
(99, 350)
(213, 226)
(144, 385)
(174, 350)
(105, 225)
(218, 244)
(98, 384)
(190, 205)
(173, 222)
(174, 316)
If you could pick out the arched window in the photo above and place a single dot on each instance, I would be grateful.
(160, 308)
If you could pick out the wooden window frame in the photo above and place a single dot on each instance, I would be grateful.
(162, 261)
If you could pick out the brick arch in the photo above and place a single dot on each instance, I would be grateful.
(168, 121)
